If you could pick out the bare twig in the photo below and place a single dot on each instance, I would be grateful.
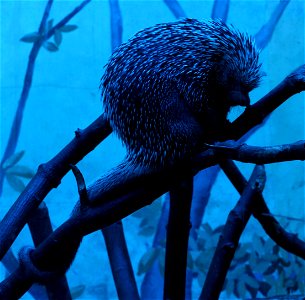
(221, 9)
(260, 155)
(175, 8)
(228, 241)
(289, 242)
(263, 37)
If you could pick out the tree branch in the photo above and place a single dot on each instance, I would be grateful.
(289, 242)
(228, 240)
(48, 177)
(259, 155)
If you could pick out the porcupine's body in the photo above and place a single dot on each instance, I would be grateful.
(169, 88)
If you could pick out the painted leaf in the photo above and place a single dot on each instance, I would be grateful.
(15, 182)
(190, 261)
(68, 28)
(13, 159)
(49, 25)
(31, 37)
(251, 281)
(57, 37)
(147, 260)
(147, 231)
(77, 291)
(22, 171)
(241, 289)
(192, 243)
(50, 46)
(230, 287)
(161, 260)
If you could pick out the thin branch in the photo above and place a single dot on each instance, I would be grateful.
(229, 239)
(263, 37)
(175, 8)
(116, 25)
(67, 18)
(16, 126)
(220, 9)
(260, 155)
(289, 242)
(120, 263)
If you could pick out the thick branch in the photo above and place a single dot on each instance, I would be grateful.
(178, 229)
(48, 177)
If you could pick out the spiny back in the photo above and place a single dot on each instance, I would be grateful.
(170, 59)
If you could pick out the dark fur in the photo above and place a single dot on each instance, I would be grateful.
(165, 90)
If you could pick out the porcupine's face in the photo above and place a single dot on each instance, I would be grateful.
(226, 89)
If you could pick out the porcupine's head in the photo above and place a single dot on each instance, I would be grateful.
(236, 70)
(170, 79)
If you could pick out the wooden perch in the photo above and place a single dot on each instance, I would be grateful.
(289, 242)
(260, 155)
(228, 240)
(48, 177)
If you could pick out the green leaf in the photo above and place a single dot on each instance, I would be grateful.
(68, 28)
(190, 261)
(261, 267)
(77, 291)
(149, 210)
(230, 287)
(161, 260)
(50, 46)
(15, 182)
(203, 260)
(13, 159)
(218, 229)
(241, 289)
(207, 228)
(147, 231)
(147, 260)
(258, 245)
(192, 243)
(201, 278)
(251, 281)
(57, 37)
(49, 25)
(31, 37)
(19, 170)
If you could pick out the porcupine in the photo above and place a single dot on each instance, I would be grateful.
(169, 88)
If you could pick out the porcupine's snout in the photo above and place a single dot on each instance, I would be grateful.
(238, 97)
